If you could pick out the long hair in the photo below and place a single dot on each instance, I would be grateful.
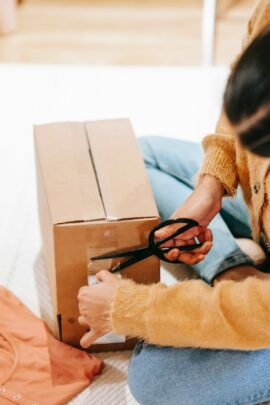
(247, 95)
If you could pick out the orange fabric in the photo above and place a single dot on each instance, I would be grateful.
(35, 368)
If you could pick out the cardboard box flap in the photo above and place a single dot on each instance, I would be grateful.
(68, 175)
(122, 177)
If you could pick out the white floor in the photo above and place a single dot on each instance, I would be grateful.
(177, 102)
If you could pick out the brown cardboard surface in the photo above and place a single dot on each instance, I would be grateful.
(75, 244)
(126, 191)
(68, 175)
(80, 192)
(48, 239)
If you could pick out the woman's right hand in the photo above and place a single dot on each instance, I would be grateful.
(202, 205)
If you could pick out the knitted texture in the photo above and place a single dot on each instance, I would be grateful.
(191, 313)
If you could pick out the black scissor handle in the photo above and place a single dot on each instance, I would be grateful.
(155, 245)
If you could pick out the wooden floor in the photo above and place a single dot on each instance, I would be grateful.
(148, 32)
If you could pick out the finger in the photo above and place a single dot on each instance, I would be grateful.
(176, 253)
(179, 242)
(185, 257)
(82, 321)
(105, 275)
(82, 291)
(88, 339)
(191, 259)
(167, 231)
(172, 254)
(208, 235)
(169, 243)
(171, 229)
(191, 233)
(199, 238)
(204, 236)
(204, 249)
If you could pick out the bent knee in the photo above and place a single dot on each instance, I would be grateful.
(147, 146)
(163, 375)
(149, 376)
(141, 383)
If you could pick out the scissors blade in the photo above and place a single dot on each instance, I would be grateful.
(114, 255)
(134, 259)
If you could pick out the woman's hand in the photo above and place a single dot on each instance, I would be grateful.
(95, 304)
(202, 205)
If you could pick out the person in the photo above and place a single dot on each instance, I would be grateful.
(185, 328)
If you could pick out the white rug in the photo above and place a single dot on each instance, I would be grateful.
(176, 102)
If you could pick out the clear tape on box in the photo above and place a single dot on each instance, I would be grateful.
(93, 268)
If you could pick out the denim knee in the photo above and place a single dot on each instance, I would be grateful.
(171, 376)
(150, 377)
(145, 143)
(142, 384)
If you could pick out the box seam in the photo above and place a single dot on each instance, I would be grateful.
(94, 167)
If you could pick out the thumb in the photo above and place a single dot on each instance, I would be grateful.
(82, 321)
(88, 339)
(167, 231)
(104, 275)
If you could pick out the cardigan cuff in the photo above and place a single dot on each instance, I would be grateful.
(128, 309)
(220, 162)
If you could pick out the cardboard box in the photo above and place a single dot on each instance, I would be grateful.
(94, 197)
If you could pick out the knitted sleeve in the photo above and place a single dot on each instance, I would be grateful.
(220, 157)
(231, 315)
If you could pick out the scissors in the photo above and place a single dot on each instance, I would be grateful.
(154, 246)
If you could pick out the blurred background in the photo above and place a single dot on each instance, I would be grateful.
(134, 32)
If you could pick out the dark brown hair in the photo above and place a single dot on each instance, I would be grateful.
(247, 95)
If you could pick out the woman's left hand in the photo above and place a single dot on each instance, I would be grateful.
(95, 305)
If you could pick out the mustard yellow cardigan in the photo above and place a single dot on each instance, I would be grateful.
(191, 313)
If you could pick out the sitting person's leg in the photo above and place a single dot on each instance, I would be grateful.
(172, 166)
(170, 376)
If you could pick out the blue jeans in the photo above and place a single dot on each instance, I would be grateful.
(172, 376)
